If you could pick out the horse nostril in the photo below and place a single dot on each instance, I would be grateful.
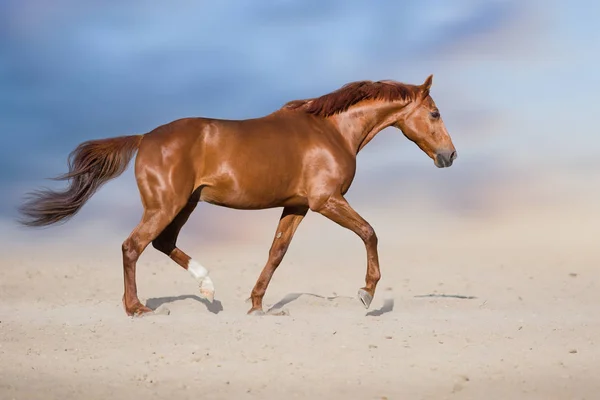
(453, 155)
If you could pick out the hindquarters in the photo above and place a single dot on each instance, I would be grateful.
(164, 167)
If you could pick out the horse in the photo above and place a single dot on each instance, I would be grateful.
(300, 157)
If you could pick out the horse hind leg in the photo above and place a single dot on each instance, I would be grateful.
(153, 222)
(166, 243)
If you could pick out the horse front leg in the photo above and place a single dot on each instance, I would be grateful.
(337, 209)
(288, 223)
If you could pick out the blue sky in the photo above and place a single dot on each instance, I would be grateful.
(516, 82)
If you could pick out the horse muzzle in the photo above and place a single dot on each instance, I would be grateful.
(444, 159)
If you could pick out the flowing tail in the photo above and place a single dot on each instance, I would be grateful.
(91, 164)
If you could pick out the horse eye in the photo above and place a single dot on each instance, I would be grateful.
(435, 114)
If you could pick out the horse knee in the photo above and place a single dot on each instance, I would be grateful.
(369, 236)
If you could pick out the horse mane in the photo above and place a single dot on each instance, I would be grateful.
(352, 93)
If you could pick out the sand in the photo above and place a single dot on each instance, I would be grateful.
(489, 312)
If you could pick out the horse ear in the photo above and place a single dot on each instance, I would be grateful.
(427, 85)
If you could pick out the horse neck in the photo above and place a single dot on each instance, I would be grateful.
(360, 123)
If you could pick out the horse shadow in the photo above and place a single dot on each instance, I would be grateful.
(388, 304)
(387, 307)
(215, 307)
(290, 297)
(452, 296)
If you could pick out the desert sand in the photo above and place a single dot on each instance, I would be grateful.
(502, 307)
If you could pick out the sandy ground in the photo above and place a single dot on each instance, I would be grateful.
(482, 314)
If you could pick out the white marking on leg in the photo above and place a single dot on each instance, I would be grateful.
(207, 288)
(197, 270)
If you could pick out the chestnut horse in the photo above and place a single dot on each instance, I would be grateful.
(301, 157)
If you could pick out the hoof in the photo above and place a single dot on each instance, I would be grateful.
(207, 294)
(138, 310)
(365, 297)
(147, 312)
(256, 313)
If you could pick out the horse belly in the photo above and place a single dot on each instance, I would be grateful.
(262, 168)
(253, 192)
(242, 200)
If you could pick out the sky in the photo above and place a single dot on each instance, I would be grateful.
(516, 82)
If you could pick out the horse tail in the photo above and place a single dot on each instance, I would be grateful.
(91, 164)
